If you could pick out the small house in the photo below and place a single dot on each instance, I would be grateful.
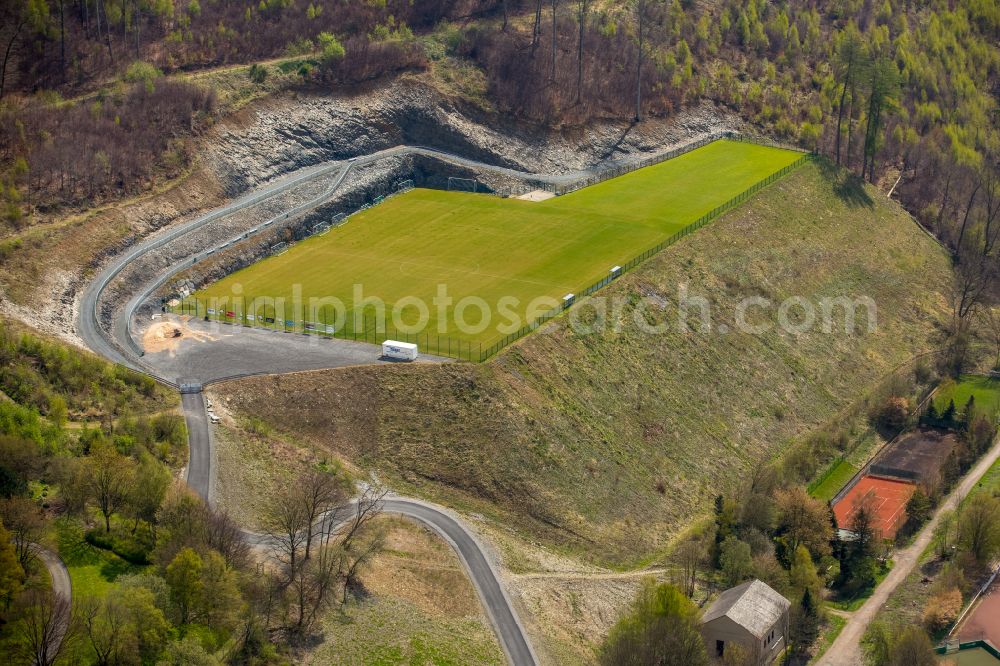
(752, 615)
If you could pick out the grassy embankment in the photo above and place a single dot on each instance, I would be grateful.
(986, 392)
(607, 445)
(421, 609)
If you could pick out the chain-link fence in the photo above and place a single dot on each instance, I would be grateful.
(635, 261)
(375, 330)
(276, 315)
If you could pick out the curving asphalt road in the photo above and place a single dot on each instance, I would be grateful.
(62, 589)
(118, 345)
(484, 577)
(470, 552)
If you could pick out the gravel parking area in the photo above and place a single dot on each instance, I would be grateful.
(208, 351)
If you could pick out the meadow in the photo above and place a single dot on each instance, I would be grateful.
(476, 267)
(985, 390)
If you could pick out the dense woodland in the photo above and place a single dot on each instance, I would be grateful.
(885, 89)
(88, 458)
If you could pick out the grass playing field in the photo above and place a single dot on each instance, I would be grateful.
(519, 257)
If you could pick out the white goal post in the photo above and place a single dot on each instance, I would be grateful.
(462, 184)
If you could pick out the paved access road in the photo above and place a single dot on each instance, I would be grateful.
(484, 577)
(470, 552)
(199, 472)
(62, 592)
(119, 346)
(846, 650)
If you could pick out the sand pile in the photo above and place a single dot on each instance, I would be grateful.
(166, 335)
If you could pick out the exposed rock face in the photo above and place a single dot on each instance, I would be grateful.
(288, 134)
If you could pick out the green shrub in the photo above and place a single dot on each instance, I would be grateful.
(258, 73)
(142, 72)
(128, 550)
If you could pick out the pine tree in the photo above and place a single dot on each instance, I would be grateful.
(970, 410)
(948, 416)
(851, 59)
(931, 415)
(804, 623)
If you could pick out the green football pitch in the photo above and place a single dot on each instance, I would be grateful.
(519, 257)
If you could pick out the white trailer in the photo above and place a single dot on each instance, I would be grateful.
(404, 351)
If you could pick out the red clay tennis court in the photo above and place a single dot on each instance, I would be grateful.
(888, 498)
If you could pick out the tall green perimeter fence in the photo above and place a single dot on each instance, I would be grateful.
(364, 329)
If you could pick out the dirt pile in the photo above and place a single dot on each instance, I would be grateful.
(165, 334)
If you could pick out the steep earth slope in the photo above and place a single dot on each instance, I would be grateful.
(607, 444)
(43, 269)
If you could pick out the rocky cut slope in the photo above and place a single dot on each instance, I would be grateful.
(42, 274)
(608, 444)
(285, 134)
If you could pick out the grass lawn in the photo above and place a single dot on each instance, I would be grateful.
(985, 390)
(531, 254)
(990, 483)
(831, 629)
(826, 486)
(91, 570)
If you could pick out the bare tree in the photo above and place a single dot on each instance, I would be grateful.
(224, 535)
(105, 624)
(640, 15)
(552, 76)
(536, 29)
(286, 524)
(991, 211)
(44, 627)
(313, 585)
(991, 319)
(16, 28)
(968, 209)
(582, 25)
(974, 275)
(262, 592)
(359, 554)
(320, 493)
(366, 509)
(22, 517)
(340, 542)
(690, 557)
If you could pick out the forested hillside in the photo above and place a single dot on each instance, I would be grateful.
(90, 453)
(887, 89)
